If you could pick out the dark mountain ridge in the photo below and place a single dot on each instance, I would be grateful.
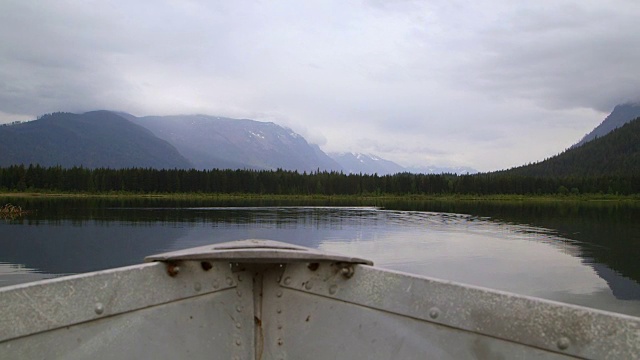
(93, 139)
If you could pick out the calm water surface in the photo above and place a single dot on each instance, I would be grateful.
(586, 254)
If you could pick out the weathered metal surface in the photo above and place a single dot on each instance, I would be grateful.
(302, 325)
(200, 327)
(535, 323)
(198, 310)
(45, 305)
(256, 251)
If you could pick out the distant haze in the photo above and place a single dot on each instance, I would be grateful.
(487, 84)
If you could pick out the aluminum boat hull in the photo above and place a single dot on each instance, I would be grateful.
(258, 299)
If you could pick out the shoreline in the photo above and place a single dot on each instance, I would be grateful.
(311, 197)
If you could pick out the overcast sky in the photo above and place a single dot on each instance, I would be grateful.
(488, 84)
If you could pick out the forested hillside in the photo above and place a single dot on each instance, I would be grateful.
(615, 154)
(93, 139)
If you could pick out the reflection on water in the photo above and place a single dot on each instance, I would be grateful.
(585, 256)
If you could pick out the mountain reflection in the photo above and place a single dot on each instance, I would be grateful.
(606, 233)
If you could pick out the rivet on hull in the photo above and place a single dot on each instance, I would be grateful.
(434, 312)
(99, 308)
(563, 343)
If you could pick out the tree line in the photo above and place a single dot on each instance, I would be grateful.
(22, 178)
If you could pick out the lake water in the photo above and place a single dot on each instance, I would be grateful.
(581, 253)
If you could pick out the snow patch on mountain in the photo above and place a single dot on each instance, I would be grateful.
(359, 163)
(258, 135)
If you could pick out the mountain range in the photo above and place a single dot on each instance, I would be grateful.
(119, 140)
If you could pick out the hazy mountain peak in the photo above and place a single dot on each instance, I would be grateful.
(366, 157)
(218, 142)
(367, 163)
(356, 163)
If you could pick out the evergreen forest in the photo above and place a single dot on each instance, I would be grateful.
(19, 178)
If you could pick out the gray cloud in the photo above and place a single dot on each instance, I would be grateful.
(563, 55)
(437, 82)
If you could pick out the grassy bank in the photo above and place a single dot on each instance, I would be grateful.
(305, 198)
